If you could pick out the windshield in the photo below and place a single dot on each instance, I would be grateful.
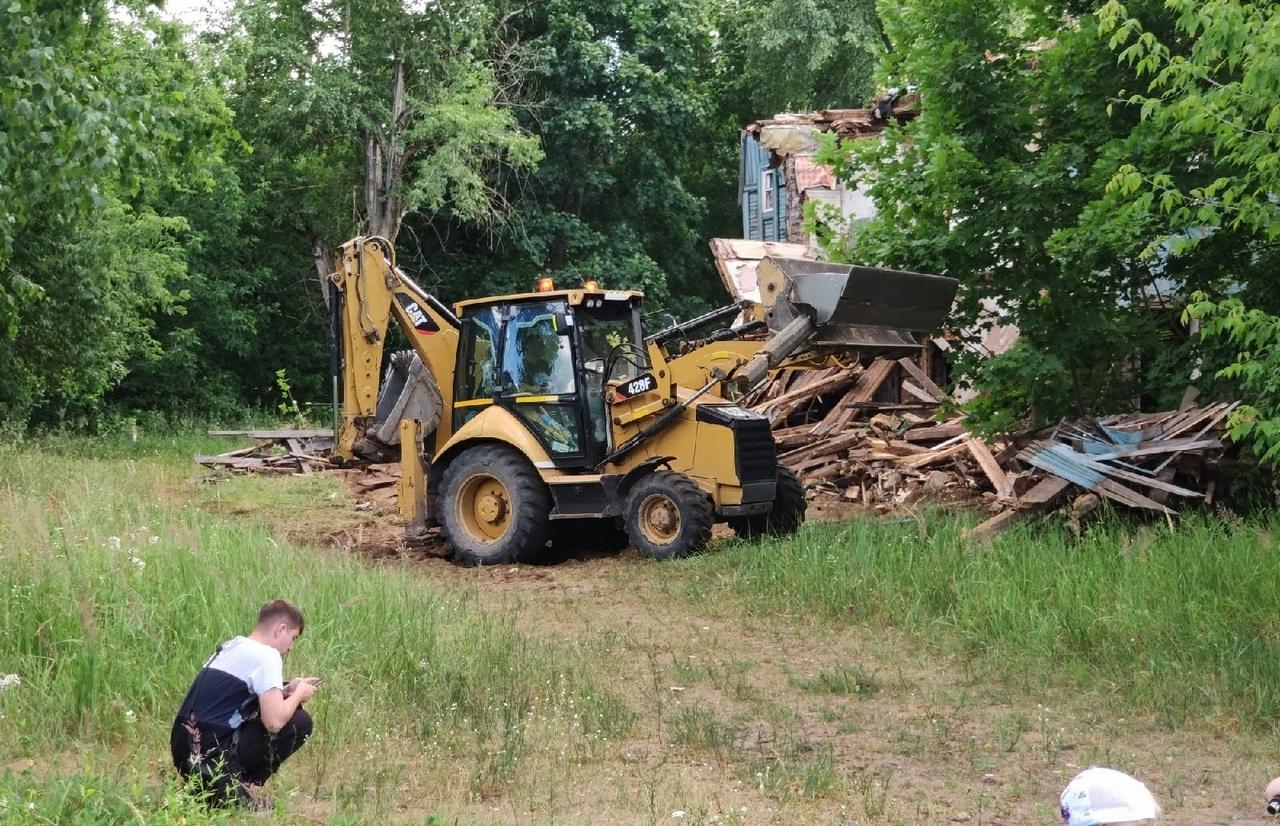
(536, 356)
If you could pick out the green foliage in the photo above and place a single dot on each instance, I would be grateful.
(1255, 368)
(786, 56)
(113, 113)
(1018, 178)
(1022, 388)
(1211, 87)
(618, 99)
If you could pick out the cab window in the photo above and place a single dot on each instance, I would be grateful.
(478, 378)
(537, 358)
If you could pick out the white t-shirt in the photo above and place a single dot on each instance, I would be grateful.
(226, 690)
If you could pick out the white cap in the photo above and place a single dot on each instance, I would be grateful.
(1099, 796)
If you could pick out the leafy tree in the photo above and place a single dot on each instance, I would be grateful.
(783, 55)
(111, 113)
(1005, 181)
(351, 116)
(1210, 92)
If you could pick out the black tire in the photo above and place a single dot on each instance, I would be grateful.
(578, 535)
(668, 516)
(493, 506)
(786, 516)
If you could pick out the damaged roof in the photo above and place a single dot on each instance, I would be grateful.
(791, 133)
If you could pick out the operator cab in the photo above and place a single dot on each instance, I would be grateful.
(547, 357)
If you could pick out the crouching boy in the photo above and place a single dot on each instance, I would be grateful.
(239, 721)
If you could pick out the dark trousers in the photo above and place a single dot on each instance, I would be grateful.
(252, 756)
(262, 752)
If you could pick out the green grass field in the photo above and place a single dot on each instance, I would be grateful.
(114, 588)
(1182, 623)
(119, 573)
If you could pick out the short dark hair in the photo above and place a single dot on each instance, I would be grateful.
(281, 610)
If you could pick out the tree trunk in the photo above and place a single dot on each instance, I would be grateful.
(384, 160)
(322, 253)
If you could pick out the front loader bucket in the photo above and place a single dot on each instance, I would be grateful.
(409, 391)
(855, 307)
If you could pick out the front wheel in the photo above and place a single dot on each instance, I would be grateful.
(784, 518)
(668, 516)
(494, 506)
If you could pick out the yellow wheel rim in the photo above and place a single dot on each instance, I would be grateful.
(659, 519)
(484, 507)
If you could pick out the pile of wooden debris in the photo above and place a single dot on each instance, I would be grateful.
(870, 435)
(276, 451)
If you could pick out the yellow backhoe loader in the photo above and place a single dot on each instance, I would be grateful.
(545, 415)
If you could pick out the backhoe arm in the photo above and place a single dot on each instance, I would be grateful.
(369, 290)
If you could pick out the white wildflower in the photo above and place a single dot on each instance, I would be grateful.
(130, 716)
(678, 813)
(138, 563)
(113, 542)
(153, 540)
(9, 681)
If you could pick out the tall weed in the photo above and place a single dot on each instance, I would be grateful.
(1179, 622)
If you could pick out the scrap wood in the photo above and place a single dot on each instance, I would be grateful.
(885, 458)
(276, 451)
(272, 435)
(942, 431)
(993, 526)
(912, 369)
(920, 394)
(989, 466)
(926, 459)
(871, 379)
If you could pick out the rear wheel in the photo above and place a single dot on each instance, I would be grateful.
(668, 516)
(494, 507)
(784, 518)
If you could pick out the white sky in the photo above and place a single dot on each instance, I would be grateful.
(195, 12)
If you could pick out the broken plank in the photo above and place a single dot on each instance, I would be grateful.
(1062, 461)
(871, 379)
(1157, 448)
(231, 461)
(1139, 479)
(989, 466)
(993, 526)
(921, 379)
(893, 406)
(926, 459)
(1045, 491)
(925, 434)
(1217, 417)
(1130, 497)
(839, 415)
(823, 447)
(821, 382)
(919, 393)
(276, 434)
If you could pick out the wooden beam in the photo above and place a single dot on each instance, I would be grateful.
(926, 459)
(1045, 491)
(871, 379)
(919, 393)
(989, 466)
(987, 530)
(921, 378)
(925, 434)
